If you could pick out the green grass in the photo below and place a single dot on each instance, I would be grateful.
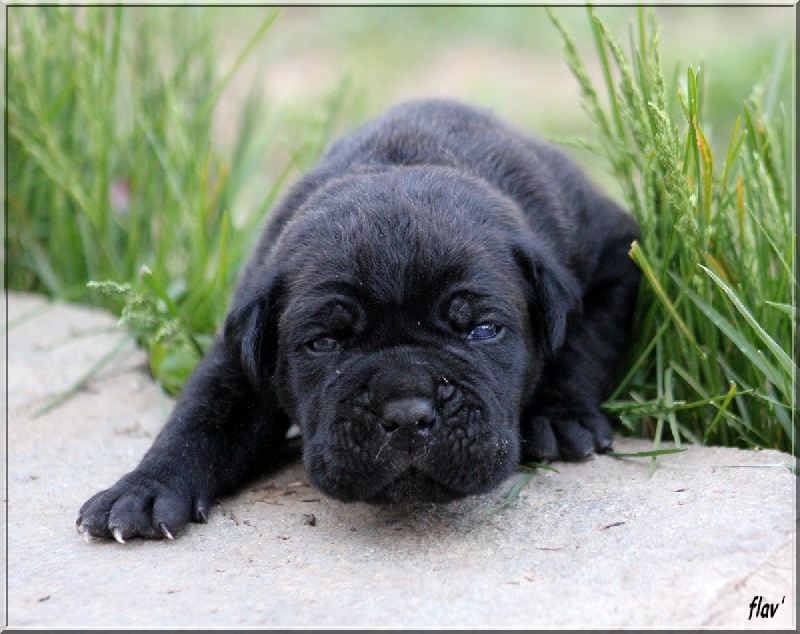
(715, 322)
(116, 175)
(113, 174)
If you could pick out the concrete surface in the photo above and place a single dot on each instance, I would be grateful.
(597, 544)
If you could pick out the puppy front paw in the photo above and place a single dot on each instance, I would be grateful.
(141, 506)
(570, 436)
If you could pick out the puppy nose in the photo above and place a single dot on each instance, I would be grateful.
(413, 414)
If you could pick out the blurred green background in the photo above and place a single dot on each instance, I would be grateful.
(506, 58)
(315, 73)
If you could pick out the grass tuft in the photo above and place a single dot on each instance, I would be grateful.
(114, 172)
(715, 319)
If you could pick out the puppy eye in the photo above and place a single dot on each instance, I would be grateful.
(484, 331)
(324, 344)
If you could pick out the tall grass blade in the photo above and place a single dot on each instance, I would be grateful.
(783, 359)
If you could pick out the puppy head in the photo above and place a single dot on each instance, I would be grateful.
(403, 331)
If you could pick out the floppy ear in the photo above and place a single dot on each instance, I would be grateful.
(251, 333)
(554, 294)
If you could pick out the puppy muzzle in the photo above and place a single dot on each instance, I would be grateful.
(402, 431)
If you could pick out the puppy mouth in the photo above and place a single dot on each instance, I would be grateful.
(413, 485)
(424, 466)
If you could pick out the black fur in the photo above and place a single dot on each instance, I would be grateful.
(440, 297)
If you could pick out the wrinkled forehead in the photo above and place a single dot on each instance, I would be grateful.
(404, 238)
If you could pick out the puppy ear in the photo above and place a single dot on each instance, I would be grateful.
(250, 331)
(554, 294)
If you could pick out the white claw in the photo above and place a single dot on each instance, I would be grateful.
(118, 535)
(84, 530)
(165, 530)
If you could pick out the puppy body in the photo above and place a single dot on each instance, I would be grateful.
(438, 298)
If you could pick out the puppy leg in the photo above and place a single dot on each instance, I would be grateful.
(221, 433)
(563, 419)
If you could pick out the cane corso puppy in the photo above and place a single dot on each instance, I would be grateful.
(439, 298)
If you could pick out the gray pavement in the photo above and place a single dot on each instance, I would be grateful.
(598, 544)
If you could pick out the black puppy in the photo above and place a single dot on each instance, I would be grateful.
(440, 297)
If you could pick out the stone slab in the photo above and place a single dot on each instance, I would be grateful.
(598, 544)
